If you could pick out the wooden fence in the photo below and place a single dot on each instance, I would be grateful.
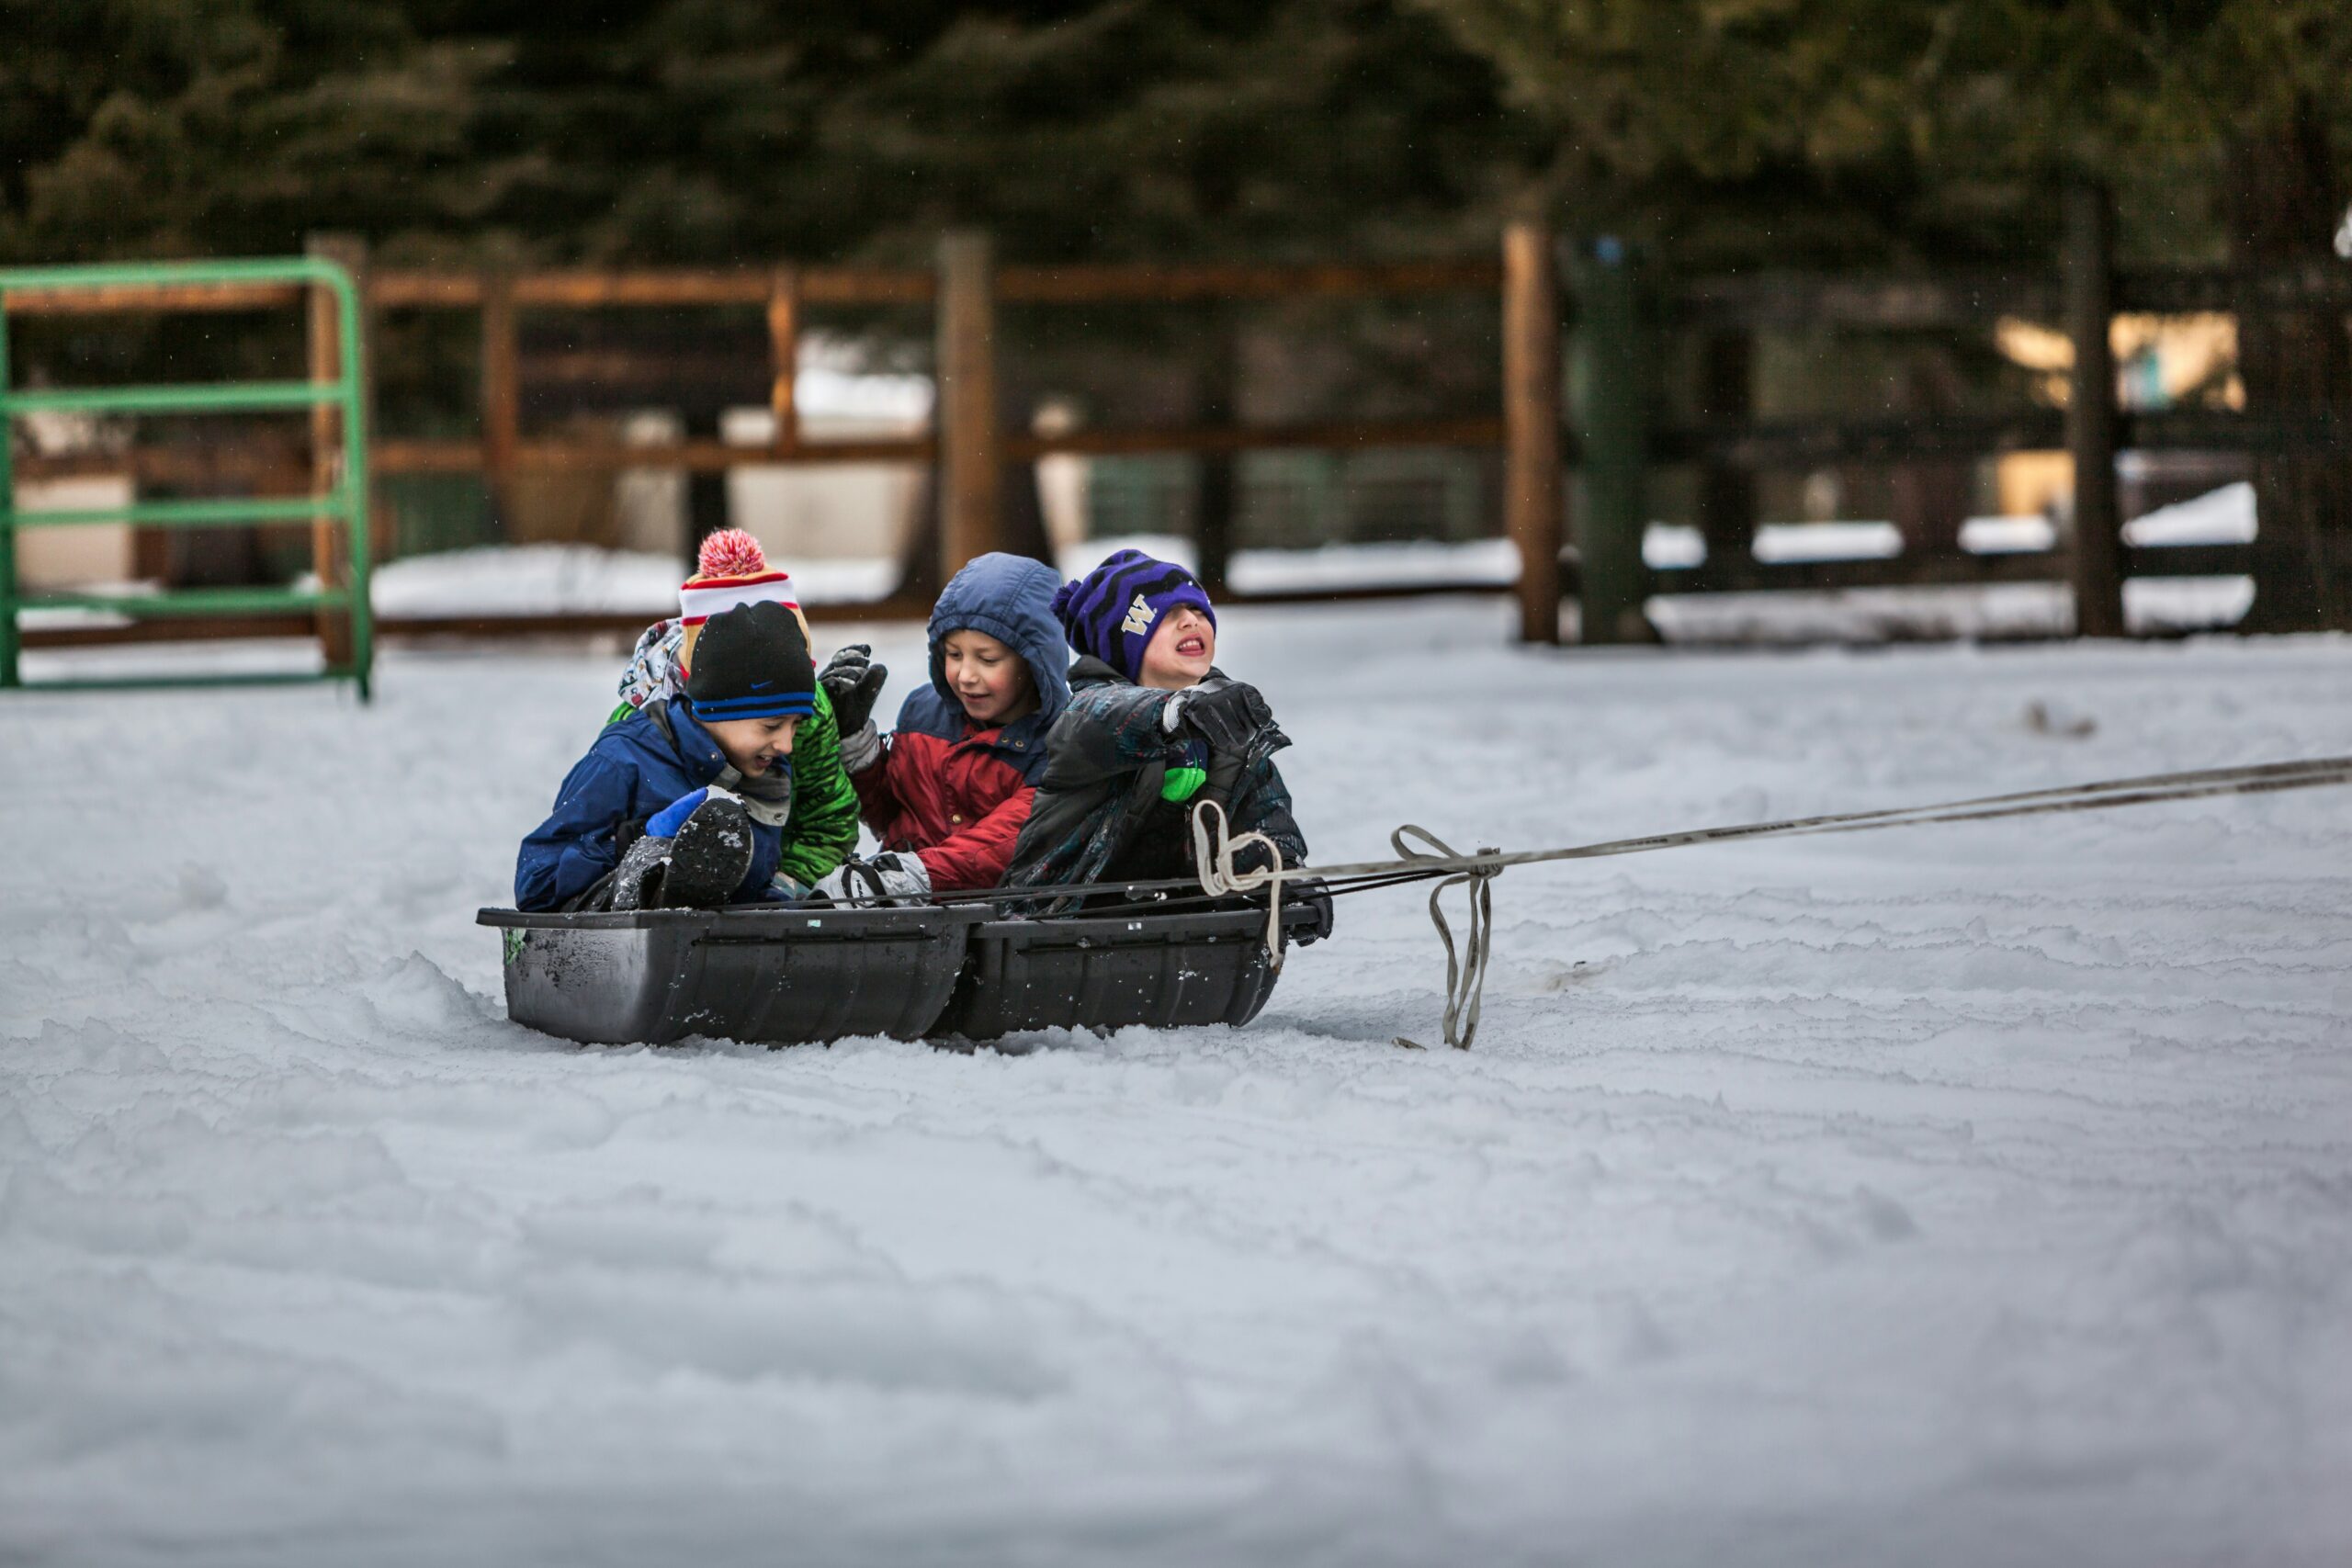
(1594, 298)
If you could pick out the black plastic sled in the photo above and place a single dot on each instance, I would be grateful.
(789, 975)
(765, 976)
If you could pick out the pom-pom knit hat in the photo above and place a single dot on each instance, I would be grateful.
(1112, 611)
(754, 663)
(732, 569)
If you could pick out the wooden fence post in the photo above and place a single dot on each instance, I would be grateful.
(500, 396)
(2097, 559)
(330, 550)
(1613, 446)
(784, 349)
(11, 639)
(971, 442)
(1727, 396)
(1532, 487)
(1219, 497)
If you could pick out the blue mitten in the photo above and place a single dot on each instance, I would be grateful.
(665, 823)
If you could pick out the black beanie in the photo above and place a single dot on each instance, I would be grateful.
(753, 663)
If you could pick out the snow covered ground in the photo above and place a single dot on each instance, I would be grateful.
(1976, 1195)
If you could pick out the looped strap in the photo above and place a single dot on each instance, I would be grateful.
(1212, 853)
(1465, 971)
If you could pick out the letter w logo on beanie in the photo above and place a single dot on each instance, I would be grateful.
(1112, 611)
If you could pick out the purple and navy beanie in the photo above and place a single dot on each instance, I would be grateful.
(1112, 611)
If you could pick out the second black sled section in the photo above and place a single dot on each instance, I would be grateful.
(1110, 972)
(792, 975)
(763, 975)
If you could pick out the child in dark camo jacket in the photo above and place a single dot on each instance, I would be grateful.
(1153, 726)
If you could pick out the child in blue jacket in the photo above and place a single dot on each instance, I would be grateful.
(683, 802)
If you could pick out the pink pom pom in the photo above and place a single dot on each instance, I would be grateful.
(730, 552)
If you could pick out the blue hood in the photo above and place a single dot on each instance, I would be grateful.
(1012, 599)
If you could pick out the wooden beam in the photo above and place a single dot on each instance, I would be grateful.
(1148, 284)
(1218, 487)
(2090, 413)
(1792, 300)
(1098, 283)
(1333, 434)
(392, 289)
(2315, 283)
(1769, 300)
(263, 467)
(500, 396)
(330, 549)
(971, 449)
(698, 457)
(445, 457)
(152, 297)
(2313, 429)
(1799, 445)
(582, 289)
(1745, 574)
(1531, 480)
(784, 350)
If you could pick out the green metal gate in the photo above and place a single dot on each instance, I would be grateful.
(343, 503)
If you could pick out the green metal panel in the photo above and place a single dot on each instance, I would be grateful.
(346, 504)
(193, 602)
(149, 682)
(226, 397)
(195, 513)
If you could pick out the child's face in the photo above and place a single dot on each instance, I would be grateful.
(753, 745)
(990, 680)
(1179, 652)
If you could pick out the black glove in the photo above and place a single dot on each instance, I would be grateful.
(851, 680)
(1310, 892)
(1233, 719)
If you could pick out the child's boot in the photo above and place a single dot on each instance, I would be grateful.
(710, 856)
(693, 853)
(636, 881)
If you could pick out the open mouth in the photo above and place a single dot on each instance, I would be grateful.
(1191, 646)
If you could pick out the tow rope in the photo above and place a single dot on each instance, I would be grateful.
(1214, 843)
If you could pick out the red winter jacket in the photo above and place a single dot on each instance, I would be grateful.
(960, 803)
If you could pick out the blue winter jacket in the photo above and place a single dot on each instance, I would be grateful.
(638, 765)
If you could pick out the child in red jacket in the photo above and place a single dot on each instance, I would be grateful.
(947, 791)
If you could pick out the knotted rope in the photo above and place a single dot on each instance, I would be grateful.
(1465, 982)
(1212, 853)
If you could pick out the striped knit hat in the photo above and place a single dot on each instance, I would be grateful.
(754, 664)
(1112, 611)
(731, 569)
